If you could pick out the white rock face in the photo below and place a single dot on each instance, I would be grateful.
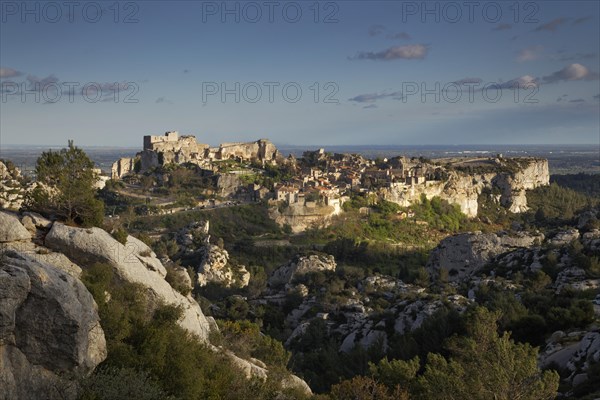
(215, 268)
(145, 254)
(463, 189)
(12, 191)
(465, 254)
(11, 229)
(302, 265)
(122, 167)
(88, 246)
(301, 217)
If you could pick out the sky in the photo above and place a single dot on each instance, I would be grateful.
(303, 72)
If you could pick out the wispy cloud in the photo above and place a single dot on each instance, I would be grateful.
(597, 97)
(163, 100)
(9, 73)
(522, 82)
(371, 106)
(551, 26)
(373, 97)
(577, 101)
(581, 20)
(502, 27)
(399, 35)
(530, 53)
(39, 84)
(408, 52)
(376, 30)
(466, 81)
(572, 72)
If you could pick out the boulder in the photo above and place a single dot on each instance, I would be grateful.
(37, 220)
(49, 330)
(465, 254)
(301, 265)
(564, 237)
(94, 245)
(11, 229)
(575, 355)
(215, 268)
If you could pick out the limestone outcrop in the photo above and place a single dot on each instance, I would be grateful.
(123, 166)
(463, 188)
(215, 268)
(50, 331)
(132, 263)
(12, 192)
(301, 217)
(465, 254)
(301, 265)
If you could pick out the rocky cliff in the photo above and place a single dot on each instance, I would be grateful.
(508, 181)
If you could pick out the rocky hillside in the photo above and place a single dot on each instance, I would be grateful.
(51, 335)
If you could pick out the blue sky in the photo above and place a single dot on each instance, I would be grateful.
(363, 69)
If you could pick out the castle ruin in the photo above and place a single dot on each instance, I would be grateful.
(172, 148)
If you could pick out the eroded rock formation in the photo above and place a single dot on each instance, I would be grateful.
(463, 188)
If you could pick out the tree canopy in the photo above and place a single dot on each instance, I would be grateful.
(65, 187)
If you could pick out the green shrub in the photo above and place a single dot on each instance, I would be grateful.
(120, 235)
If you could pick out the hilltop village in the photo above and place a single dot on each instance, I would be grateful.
(313, 188)
(303, 271)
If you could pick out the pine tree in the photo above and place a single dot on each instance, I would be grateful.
(65, 187)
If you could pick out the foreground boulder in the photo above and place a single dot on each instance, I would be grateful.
(133, 262)
(50, 332)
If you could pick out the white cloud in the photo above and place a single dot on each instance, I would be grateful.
(572, 72)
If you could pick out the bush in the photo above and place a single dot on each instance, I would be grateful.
(122, 384)
(150, 355)
(120, 235)
(177, 281)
